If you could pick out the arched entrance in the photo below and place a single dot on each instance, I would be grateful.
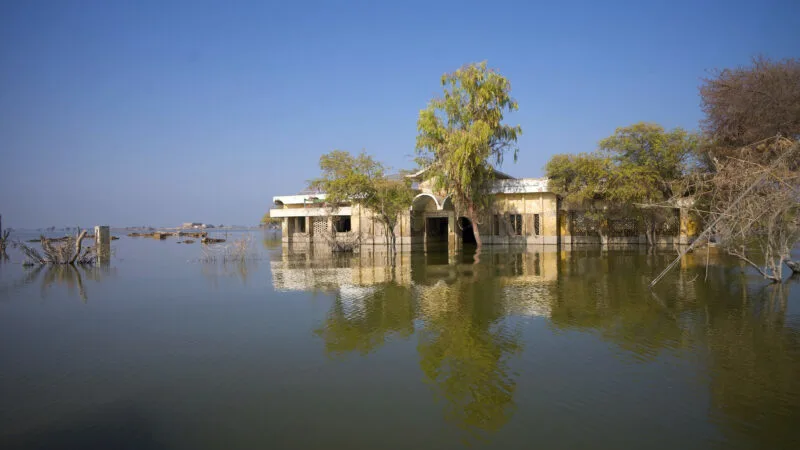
(467, 234)
(431, 225)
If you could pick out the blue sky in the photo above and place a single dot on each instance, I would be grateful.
(157, 113)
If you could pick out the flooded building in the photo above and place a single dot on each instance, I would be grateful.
(524, 212)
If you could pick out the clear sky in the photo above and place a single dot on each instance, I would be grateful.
(157, 113)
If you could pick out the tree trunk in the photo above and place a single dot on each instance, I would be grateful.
(78, 247)
(476, 233)
(650, 231)
(473, 217)
(394, 248)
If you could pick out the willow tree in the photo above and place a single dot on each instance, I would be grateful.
(462, 137)
(360, 180)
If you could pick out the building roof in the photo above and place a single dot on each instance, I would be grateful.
(498, 174)
(299, 199)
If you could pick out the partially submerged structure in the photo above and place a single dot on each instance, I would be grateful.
(524, 212)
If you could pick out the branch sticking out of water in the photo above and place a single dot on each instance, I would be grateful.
(60, 251)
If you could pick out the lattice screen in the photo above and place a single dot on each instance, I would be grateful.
(580, 225)
(627, 227)
(320, 226)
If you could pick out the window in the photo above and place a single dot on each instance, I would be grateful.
(536, 229)
(516, 223)
(300, 224)
(342, 224)
(496, 224)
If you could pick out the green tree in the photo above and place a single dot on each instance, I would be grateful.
(582, 183)
(461, 137)
(649, 165)
(267, 220)
(360, 180)
(637, 166)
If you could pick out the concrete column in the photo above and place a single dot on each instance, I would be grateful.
(102, 237)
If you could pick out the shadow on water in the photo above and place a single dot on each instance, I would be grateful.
(460, 315)
(118, 425)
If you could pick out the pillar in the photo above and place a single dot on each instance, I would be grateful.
(102, 238)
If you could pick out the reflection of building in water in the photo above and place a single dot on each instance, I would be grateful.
(322, 271)
(522, 279)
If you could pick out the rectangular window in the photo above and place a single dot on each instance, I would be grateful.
(300, 225)
(496, 224)
(342, 224)
(516, 223)
(536, 230)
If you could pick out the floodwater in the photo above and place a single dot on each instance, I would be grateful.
(303, 350)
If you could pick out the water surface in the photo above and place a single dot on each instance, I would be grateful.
(309, 350)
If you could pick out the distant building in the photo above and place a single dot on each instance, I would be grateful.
(196, 225)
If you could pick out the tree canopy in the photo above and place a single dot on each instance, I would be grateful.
(266, 219)
(462, 137)
(363, 181)
(638, 165)
(747, 104)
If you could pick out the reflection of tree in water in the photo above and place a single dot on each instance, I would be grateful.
(464, 347)
(362, 319)
(753, 355)
(609, 294)
(754, 366)
(215, 270)
(73, 277)
(271, 239)
(464, 351)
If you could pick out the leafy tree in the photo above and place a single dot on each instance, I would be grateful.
(649, 164)
(638, 165)
(360, 180)
(582, 183)
(266, 220)
(461, 137)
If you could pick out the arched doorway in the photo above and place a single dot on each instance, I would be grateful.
(467, 234)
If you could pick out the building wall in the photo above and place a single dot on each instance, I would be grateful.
(497, 227)
(502, 230)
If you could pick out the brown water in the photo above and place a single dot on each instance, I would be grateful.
(304, 350)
